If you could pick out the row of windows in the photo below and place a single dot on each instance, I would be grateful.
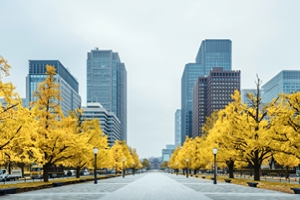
(225, 74)
(225, 79)
(220, 84)
(221, 98)
(218, 103)
(224, 90)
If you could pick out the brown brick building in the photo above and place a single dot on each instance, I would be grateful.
(212, 92)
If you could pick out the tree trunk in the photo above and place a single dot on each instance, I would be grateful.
(230, 165)
(22, 166)
(287, 175)
(77, 172)
(22, 169)
(9, 167)
(256, 171)
(46, 172)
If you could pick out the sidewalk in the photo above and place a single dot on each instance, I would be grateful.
(153, 186)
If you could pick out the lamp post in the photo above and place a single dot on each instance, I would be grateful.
(177, 168)
(123, 160)
(133, 170)
(95, 169)
(187, 165)
(215, 150)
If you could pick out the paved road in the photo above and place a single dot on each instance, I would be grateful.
(153, 186)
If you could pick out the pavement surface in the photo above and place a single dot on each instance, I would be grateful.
(153, 186)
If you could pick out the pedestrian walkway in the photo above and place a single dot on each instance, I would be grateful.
(153, 186)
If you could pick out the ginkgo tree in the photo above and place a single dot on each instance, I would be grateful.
(288, 161)
(136, 161)
(54, 136)
(89, 136)
(16, 123)
(224, 136)
(124, 157)
(244, 132)
(285, 118)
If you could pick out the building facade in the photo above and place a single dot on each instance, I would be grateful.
(107, 84)
(214, 53)
(68, 84)
(177, 127)
(189, 77)
(167, 152)
(213, 93)
(285, 82)
(110, 124)
(199, 105)
(211, 54)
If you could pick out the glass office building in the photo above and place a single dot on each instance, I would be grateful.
(67, 83)
(214, 53)
(211, 54)
(110, 124)
(178, 127)
(189, 77)
(285, 82)
(107, 84)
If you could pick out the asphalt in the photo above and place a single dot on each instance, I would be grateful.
(153, 186)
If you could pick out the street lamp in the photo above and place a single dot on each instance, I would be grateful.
(123, 160)
(177, 168)
(187, 170)
(133, 169)
(95, 169)
(215, 150)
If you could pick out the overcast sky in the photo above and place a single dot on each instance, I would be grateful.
(155, 39)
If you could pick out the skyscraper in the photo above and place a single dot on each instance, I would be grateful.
(285, 82)
(107, 84)
(67, 82)
(189, 77)
(212, 53)
(178, 127)
(213, 93)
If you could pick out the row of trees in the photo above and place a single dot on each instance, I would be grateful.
(249, 134)
(41, 134)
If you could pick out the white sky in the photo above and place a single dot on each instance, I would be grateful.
(155, 39)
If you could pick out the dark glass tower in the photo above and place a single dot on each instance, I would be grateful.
(107, 84)
(212, 93)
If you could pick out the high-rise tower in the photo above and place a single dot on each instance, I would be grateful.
(178, 127)
(67, 82)
(107, 84)
(211, 54)
(214, 53)
(188, 79)
(212, 93)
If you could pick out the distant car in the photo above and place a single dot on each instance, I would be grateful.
(15, 174)
(84, 172)
(70, 173)
(3, 174)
